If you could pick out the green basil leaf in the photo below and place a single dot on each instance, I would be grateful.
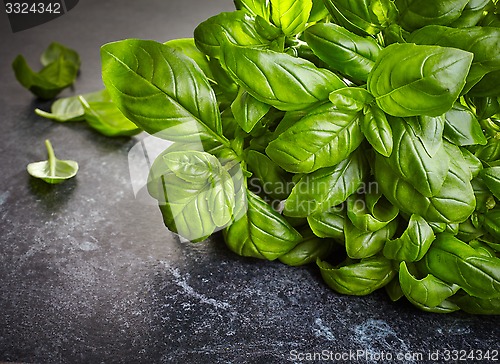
(413, 244)
(430, 132)
(455, 262)
(290, 15)
(483, 195)
(70, 108)
(237, 27)
(488, 86)
(342, 50)
(278, 79)
(377, 130)
(359, 278)
(491, 176)
(490, 152)
(385, 11)
(486, 107)
(410, 80)
(308, 250)
(467, 231)
(107, 119)
(483, 42)
(411, 160)
(162, 91)
(261, 232)
(248, 111)
(355, 15)
(322, 138)
(350, 98)
(53, 170)
(414, 14)
(393, 289)
(318, 11)
(188, 47)
(462, 128)
(428, 292)
(478, 306)
(255, 7)
(328, 224)
(395, 34)
(492, 222)
(319, 191)
(55, 51)
(361, 244)
(274, 181)
(370, 219)
(473, 163)
(472, 14)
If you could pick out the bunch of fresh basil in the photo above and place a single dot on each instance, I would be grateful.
(363, 135)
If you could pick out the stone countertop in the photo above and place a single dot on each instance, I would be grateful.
(90, 275)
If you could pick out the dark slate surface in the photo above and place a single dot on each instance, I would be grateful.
(89, 275)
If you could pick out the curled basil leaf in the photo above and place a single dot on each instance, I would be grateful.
(53, 170)
(308, 250)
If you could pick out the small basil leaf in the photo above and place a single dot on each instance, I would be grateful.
(410, 80)
(377, 130)
(350, 98)
(107, 119)
(277, 79)
(358, 278)
(381, 214)
(237, 27)
(308, 250)
(342, 50)
(290, 15)
(490, 152)
(427, 292)
(70, 108)
(467, 231)
(261, 232)
(462, 128)
(356, 16)
(361, 244)
(162, 91)
(55, 51)
(486, 107)
(53, 170)
(319, 191)
(393, 289)
(413, 244)
(248, 111)
(491, 176)
(328, 224)
(255, 7)
(455, 262)
(322, 138)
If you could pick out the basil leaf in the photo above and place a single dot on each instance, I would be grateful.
(342, 50)
(70, 108)
(328, 224)
(393, 289)
(483, 42)
(188, 47)
(369, 219)
(274, 181)
(279, 79)
(488, 86)
(248, 111)
(55, 51)
(486, 107)
(491, 176)
(359, 278)
(410, 80)
(413, 244)
(318, 11)
(107, 119)
(492, 222)
(425, 293)
(350, 98)
(478, 306)
(308, 250)
(255, 7)
(462, 128)
(237, 27)
(261, 232)
(377, 130)
(361, 244)
(319, 191)
(490, 152)
(162, 91)
(455, 262)
(53, 170)
(322, 138)
(290, 15)
(430, 132)
(355, 15)
(472, 14)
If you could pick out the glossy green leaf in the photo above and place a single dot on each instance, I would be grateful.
(490, 152)
(342, 50)
(53, 170)
(277, 79)
(55, 51)
(188, 47)
(361, 244)
(358, 278)
(318, 11)
(413, 243)
(462, 128)
(248, 111)
(472, 14)
(356, 15)
(455, 262)
(377, 130)
(322, 138)
(321, 190)
(261, 232)
(308, 250)
(492, 222)
(427, 292)
(237, 27)
(350, 98)
(409, 79)
(369, 219)
(478, 306)
(414, 14)
(328, 224)
(291, 16)
(491, 176)
(70, 108)
(486, 107)
(255, 7)
(162, 91)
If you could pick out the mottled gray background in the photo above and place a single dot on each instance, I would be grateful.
(88, 275)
